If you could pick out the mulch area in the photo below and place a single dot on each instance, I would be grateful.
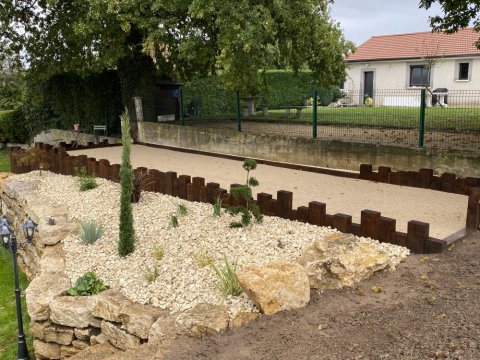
(427, 309)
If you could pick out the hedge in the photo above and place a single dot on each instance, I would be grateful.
(13, 126)
(283, 88)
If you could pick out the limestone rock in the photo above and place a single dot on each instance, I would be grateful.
(73, 311)
(165, 328)
(48, 332)
(68, 351)
(41, 291)
(342, 260)
(85, 334)
(109, 304)
(99, 339)
(276, 287)
(243, 318)
(81, 345)
(13, 188)
(46, 350)
(100, 351)
(118, 337)
(137, 319)
(53, 234)
(52, 260)
(204, 319)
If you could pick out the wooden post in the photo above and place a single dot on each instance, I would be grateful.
(197, 182)
(316, 213)
(417, 235)
(383, 172)
(302, 214)
(473, 209)
(103, 168)
(369, 223)
(91, 166)
(169, 178)
(183, 180)
(446, 182)
(365, 171)
(386, 229)
(115, 173)
(342, 222)
(424, 178)
(262, 201)
(211, 191)
(284, 203)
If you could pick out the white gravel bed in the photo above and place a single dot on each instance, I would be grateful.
(182, 283)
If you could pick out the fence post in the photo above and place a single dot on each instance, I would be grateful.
(421, 123)
(314, 113)
(239, 116)
(182, 115)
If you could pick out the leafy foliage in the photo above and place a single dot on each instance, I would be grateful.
(84, 180)
(174, 221)
(217, 207)
(89, 231)
(182, 209)
(159, 253)
(13, 126)
(86, 285)
(227, 277)
(244, 194)
(457, 15)
(151, 274)
(126, 243)
(202, 259)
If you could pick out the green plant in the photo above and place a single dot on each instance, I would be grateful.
(89, 231)
(84, 180)
(173, 221)
(141, 181)
(244, 193)
(126, 243)
(182, 209)
(159, 252)
(217, 207)
(202, 259)
(86, 285)
(151, 274)
(227, 277)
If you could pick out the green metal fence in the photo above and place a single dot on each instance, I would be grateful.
(410, 118)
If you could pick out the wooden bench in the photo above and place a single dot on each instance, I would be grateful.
(100, 128)
(299, 109)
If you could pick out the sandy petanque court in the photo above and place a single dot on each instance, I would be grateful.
(444, 211)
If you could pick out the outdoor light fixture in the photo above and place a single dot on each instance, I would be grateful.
(9, 241)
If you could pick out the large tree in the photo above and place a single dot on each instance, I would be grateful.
(457, 14)
(176, 38)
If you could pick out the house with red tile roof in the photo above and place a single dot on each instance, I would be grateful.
(406, 63)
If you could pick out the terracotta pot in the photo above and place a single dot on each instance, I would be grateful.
(76, 127)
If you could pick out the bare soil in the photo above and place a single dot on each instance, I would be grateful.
(427, 309)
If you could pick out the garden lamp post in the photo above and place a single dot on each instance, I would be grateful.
(9, 241)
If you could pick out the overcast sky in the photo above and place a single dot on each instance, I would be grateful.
(362, 19)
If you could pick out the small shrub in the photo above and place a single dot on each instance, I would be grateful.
(202, 259)
(89, 231)
(151, 274)
(173, 221)
(182, 209)
(217, 207)
(244, 192)
(228, 281)
(84, 180)
(159, 252)
(141, 181)
(86, 285)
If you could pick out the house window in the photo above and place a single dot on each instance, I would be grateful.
(419, 75)
(463, 69)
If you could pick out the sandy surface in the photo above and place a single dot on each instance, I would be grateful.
(445, 212)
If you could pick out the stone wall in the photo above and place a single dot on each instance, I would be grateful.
(332, 154)
(55, 136)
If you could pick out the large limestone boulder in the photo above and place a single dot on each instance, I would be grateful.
(42, 291)
(342, 260)
(165, 328)
(49, 332)
(100, 351)
(109, 304)
(44, 350)
(73, 311)
(137, 319)
(118, 337)
(53, 234)
(204, 319)
(276, 287)
(243, 318)
(53, 260)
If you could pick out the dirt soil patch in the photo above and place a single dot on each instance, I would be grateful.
(428, 309)
(445, 212)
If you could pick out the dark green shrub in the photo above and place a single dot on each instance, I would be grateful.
(86, 285)
(126, 243)
(13, 126)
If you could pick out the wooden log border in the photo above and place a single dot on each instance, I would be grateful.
(372, 223)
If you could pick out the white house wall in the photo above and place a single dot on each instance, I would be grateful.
(391, 80)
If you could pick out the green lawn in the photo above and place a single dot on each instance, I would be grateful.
(8, 317)
(4, 160)
(437, 118)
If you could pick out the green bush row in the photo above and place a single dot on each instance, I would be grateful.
(13, 126)
(282, 88)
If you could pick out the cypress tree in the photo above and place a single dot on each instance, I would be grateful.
(126, 243)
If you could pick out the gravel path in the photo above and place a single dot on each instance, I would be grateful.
(445, 212)
(184, 277)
